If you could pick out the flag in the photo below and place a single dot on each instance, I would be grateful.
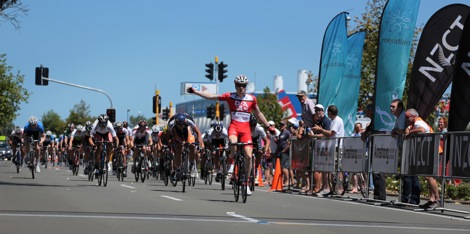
(459, 114)
(333, 59)
(286, 104)
(395, 40)
(348, 93)
(435, 56)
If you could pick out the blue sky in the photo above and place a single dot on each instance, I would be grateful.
(129, 50)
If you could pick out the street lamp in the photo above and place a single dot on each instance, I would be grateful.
(128, 110)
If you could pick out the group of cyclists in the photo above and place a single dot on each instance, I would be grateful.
(88, 139)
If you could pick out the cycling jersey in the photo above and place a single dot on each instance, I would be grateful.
(218, 138)
(121, 136)
(141, 137)
(182, 134)
(48, 140)
(34, 131)
(257, 134)
(103, 130)
(16, 137)
(155, 137)
(240, 110)
(77, 137)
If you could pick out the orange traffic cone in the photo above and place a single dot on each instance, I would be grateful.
(260, 177)
(277, 180)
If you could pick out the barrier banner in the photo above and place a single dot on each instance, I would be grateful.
(421, 155)
(300, 153)
(459, 157)
(324, 155)
(353, 159)
(385, 154)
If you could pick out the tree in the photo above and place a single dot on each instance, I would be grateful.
(268, 104)
(52, 122)
(80, 113)
(12, 93)
(10, 10)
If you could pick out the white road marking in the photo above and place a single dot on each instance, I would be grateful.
(172, 198)
(127, 186)
(233, 214)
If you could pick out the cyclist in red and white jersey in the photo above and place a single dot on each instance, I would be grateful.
(241, 105)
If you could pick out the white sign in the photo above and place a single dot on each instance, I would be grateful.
(203, 87)
(324, 153)
(385, 154)
(353, 159)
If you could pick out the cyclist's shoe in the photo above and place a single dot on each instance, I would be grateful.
(124, 173)
(178, 175)
(114, 172)
(85, 171)
(248, 191)
(110, 166)
(133, 169)
(38, 168)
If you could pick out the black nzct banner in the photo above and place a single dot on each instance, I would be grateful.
(433, 64)
(459, 114)
(421, 155)
(460, 155)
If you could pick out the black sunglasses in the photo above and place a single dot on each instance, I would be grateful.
(241, 85)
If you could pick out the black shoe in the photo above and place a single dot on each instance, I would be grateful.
(217, 177)
(429, 205)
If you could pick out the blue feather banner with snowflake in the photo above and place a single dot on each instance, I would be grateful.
(333, 59)
(395, 41)
(347, 97)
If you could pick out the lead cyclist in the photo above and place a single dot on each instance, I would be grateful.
(241, 105)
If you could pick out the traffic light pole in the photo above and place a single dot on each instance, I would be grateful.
(82, 87)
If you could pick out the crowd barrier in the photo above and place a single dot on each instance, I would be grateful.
(417, 155)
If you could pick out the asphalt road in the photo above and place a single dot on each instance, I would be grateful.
(58, 202)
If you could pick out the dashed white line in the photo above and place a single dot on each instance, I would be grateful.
(127, 186)
(233, 214)
(172, 198)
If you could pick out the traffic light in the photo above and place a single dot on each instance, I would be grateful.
(40, 73)
(157, 103)
(165, 113)
(154, 120)
(221, 111)
(222, 71)
(111, 113)
(210, 114)
(210, 71)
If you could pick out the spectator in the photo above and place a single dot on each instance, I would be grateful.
(283, 145)
(417, 125)
(357, 133)
(324, 123)
(337, 130)
(309, 118)
(378, 179)
(411, 189)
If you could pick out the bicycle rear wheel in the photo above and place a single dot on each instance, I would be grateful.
(143, 170)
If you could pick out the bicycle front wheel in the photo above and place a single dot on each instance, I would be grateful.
(105, 174)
